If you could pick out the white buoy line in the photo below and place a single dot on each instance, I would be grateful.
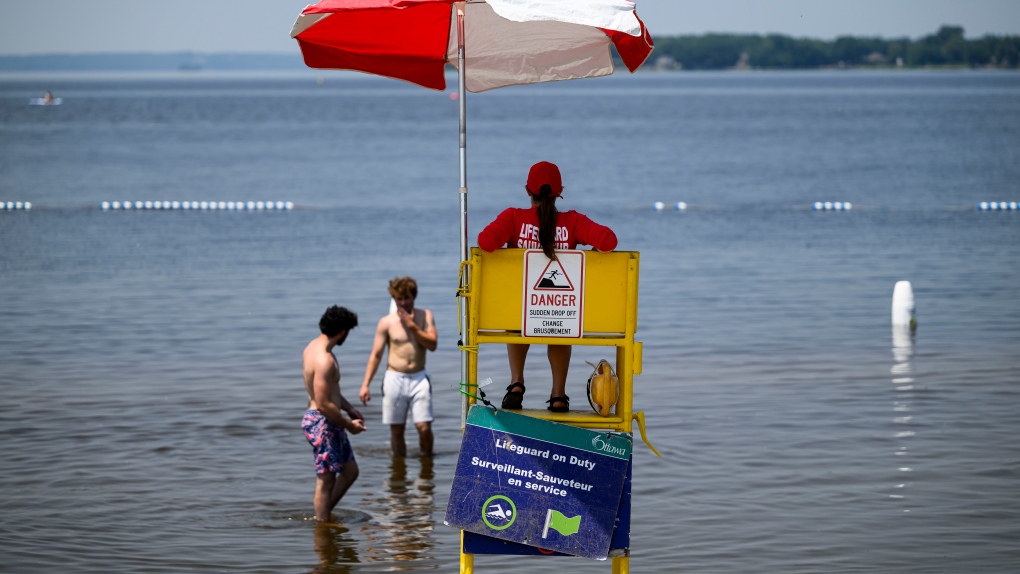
(288, 205)
(197, 205)
(832, 206)
(816, 206)
(997, 206)
(678, 206)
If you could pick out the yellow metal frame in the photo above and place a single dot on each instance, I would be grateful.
(493, 283)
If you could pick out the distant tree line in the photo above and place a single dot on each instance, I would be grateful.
(946, 48)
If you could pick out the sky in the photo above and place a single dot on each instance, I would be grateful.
(263, 26)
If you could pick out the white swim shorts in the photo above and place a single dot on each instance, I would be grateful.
(403, 391)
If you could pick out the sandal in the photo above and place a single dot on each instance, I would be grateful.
(511, 400)
(561, 409)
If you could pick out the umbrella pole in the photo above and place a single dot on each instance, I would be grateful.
(461, 301)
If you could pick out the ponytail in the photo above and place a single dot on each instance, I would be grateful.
(546, 204)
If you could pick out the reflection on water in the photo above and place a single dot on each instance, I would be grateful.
(399, 532)
(902, 377)
(336, 549)
(402, 529)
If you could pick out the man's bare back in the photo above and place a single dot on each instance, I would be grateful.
(322, 383)
(316, 358)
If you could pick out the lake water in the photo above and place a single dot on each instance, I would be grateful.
(150, 393)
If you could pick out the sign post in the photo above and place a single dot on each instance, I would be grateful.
(539, 483)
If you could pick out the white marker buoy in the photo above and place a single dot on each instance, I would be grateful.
(681, 206)
(903, 305)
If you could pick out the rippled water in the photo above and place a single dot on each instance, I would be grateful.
(149, 361)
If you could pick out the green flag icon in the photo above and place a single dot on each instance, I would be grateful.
(560, 523)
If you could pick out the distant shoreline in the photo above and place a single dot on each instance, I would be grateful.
(320, 75)
(946, 49)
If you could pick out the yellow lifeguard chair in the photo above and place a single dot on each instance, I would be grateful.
(493, 284)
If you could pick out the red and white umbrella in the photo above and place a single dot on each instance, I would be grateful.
(508, 42)
(492, 43)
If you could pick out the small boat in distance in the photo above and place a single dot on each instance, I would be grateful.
(47, 100)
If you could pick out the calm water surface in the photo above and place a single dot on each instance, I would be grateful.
(150, 394)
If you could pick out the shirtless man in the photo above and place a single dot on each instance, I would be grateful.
(407, 333)
(324, 424)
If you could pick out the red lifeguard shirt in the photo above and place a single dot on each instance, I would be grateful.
(517, 227)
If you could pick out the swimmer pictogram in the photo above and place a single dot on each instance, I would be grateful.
(499, 512)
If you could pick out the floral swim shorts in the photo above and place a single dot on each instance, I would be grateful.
(330, 446)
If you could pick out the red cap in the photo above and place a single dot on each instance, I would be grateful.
(543, 173)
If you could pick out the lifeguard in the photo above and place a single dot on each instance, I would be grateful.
(543, 226)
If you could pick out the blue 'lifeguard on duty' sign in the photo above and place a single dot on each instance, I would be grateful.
(538, 482)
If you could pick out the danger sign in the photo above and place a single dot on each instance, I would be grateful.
(553, 294)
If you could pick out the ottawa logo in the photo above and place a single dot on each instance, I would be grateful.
(499, 512)
(604, 446)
